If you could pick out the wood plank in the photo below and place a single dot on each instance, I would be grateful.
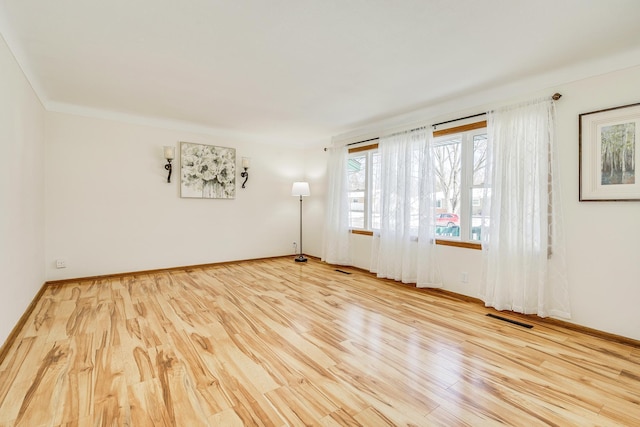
(274, 343)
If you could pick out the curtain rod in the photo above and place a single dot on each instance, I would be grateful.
(358, 142)
(377, 138)
(555, 97)
(458, 119)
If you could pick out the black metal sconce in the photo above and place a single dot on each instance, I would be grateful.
(245, 174)
(169, 154)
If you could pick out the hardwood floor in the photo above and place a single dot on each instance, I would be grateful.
(277, 343)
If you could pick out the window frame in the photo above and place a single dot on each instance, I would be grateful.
(467, 169)
(369, 149)
(466, 184)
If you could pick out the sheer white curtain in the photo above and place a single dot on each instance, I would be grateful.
(523, 246)
(404, 250)
(335, 248)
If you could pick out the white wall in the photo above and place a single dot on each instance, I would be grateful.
(110, 209)
(603, 255)
(315, 172)
(602, 237)
(21, 192)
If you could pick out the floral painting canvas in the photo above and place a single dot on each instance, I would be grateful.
(207, 171)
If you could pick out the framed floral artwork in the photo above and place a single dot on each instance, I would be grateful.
(609, 152)
(207, 171)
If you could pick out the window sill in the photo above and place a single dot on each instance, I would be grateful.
(443, 242)
(362, 232)
(459, 244)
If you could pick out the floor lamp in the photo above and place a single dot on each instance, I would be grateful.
(300, 189)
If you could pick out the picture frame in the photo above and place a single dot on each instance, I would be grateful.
(207, 171)
(609, 154)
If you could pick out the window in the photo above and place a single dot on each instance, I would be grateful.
(363, 172)
(460, 157)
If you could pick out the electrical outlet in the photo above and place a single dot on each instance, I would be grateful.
(295, 247)
(60, 263)
(464, 277)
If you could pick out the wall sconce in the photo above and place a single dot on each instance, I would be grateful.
(245, 174)
(169, 154)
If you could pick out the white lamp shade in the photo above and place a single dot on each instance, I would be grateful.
(300, 189)
(169, 152)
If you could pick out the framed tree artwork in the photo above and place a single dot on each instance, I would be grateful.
(609, 154)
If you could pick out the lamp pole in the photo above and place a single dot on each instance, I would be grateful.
(301, 258)
(300, 189)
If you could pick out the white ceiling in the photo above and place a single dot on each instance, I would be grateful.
(298, 70)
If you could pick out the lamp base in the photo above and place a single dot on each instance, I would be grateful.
(301, 258)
